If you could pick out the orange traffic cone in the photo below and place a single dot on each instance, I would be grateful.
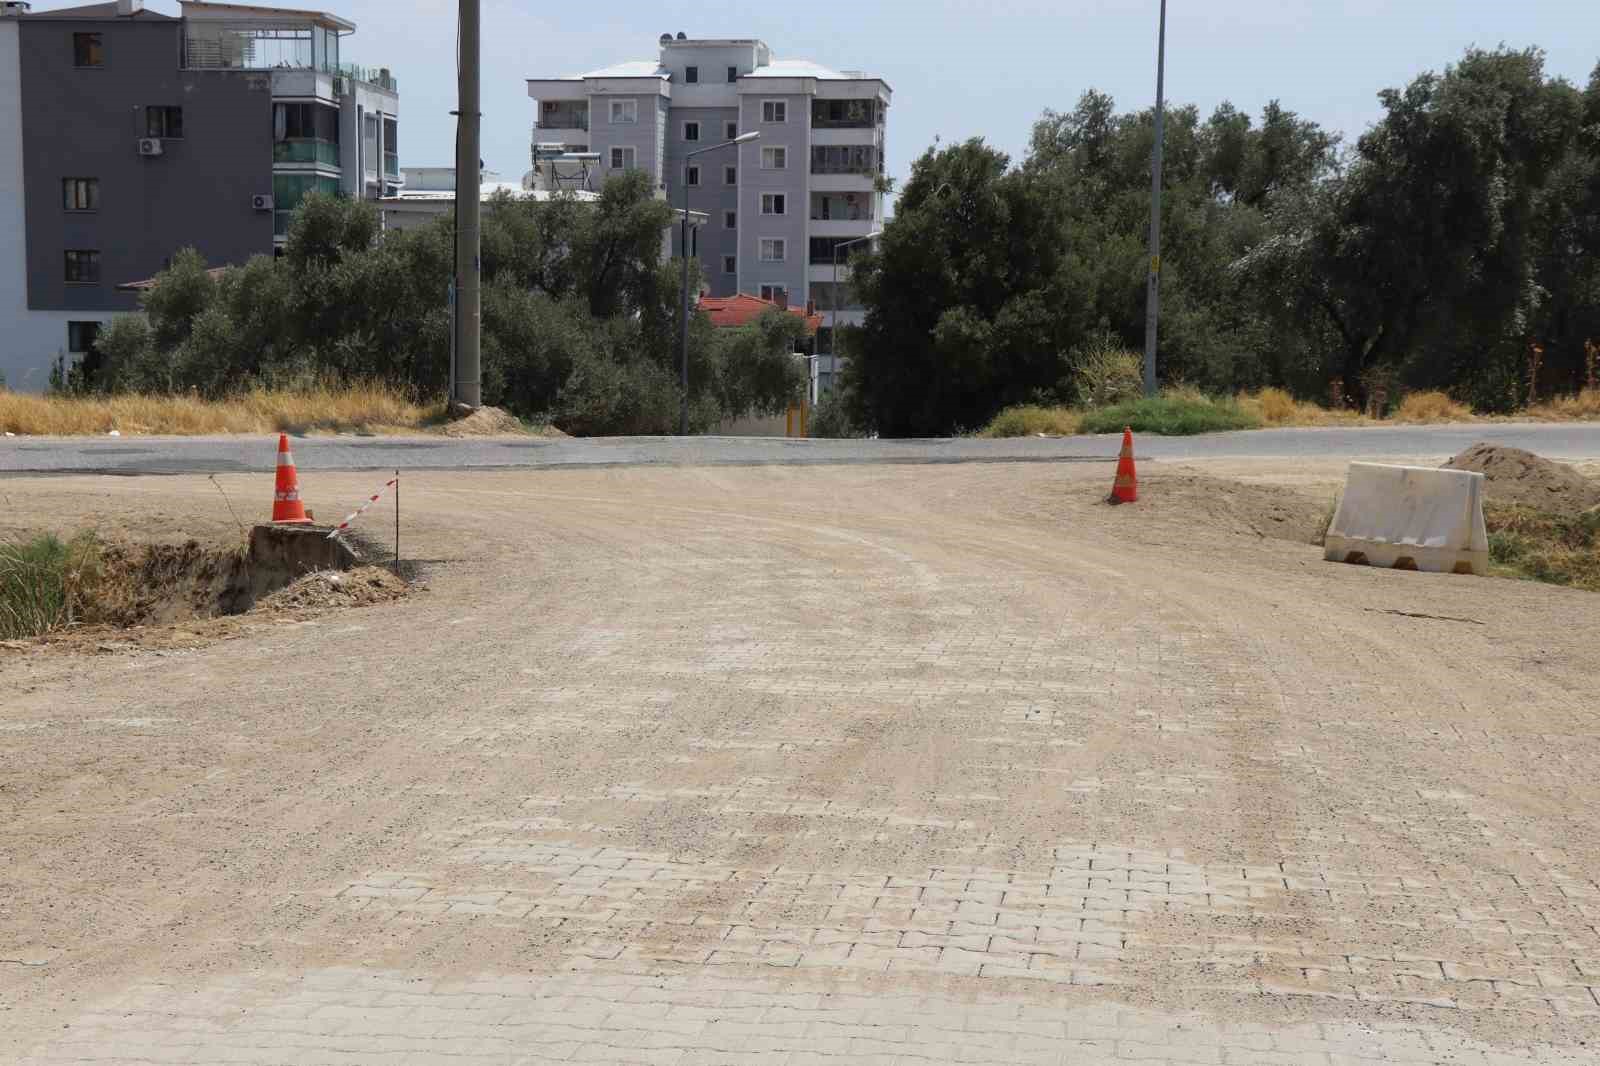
(1126, 488)
(286, 506)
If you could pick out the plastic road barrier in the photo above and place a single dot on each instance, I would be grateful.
(1412, 518)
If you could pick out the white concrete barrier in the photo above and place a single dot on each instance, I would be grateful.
(1412, 517)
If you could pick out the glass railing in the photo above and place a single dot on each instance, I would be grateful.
(306, 151)
(569, 121)
(391, 165)
(280, 223)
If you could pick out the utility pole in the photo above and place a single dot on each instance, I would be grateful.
(468, 305)
(1152, 304)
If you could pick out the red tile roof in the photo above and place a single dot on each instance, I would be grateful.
(150, 283)
(743, 309)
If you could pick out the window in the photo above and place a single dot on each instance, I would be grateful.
(81, 336)
(691, 75)
(80, 194)
(730, 130)
(691, 131)
(774, 158)
(733, 74)
(774, 111)
(165, 122)
(730, 175)
(83, 267)
(773, 250)
(625, 111)
(729, 265)
(730, 220)
(773, 203)
(775, 293)
(622, 158)
(692, 177)
(88, 50)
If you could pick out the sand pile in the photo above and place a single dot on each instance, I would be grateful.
(485, 422)
(1513, 476)
(361, 587)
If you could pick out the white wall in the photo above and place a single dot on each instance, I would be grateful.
(29, 340)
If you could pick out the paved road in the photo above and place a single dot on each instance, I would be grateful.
(813, 766)
(172, 455)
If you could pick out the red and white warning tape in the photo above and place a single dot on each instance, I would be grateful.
(359, 511)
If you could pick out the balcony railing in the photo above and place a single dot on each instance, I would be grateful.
(845, 115)
(391, 165)
(280, 223)
(845, 160)
(306, 151)
(858, 214)
(378, 76)
(566, 120)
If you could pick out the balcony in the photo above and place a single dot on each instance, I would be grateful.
(846, 159)
(378, 77)
(306, 151)
(841, 207)
(846, 114)
(391, 165)
(555, 117)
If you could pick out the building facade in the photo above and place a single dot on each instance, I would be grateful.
(126, 135)
(778, 207)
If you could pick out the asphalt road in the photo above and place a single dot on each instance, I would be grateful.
(209, 455)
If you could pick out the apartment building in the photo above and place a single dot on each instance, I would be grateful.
(780, 206)
(126, 134)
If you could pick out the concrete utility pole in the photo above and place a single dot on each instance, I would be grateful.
(1152, 304)
(468, 382)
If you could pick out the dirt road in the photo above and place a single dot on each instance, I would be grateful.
(836, 764)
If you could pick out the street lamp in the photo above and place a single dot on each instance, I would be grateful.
(683, 325)
(833, 327)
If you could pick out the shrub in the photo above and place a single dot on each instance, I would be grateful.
(831, 419)
(1582, 405)
(1432, 406)
(1175, 413)
(1106, 374)
(43, 583)
(1031, 420)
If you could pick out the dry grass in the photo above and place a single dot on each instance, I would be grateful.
(1031, 420)
(1433, 406)
(365, 408)
(1546, 547)
(1275, 407)
(1571, 408)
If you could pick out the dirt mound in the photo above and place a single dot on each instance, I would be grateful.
(361, 587)
(1514, 476)
(1194, 501)
(486, 422)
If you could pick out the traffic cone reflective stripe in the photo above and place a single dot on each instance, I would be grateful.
(286, 506)
(1125, 489)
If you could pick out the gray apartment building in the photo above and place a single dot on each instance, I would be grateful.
(777, 207)
(126, 134)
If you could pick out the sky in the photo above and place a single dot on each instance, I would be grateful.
(968, 68)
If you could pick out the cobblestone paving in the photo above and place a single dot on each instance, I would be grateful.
(817, 767)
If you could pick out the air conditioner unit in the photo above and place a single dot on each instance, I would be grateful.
(149, 145)
(261, 203)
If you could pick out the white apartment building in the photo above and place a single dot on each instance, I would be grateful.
(778, 207)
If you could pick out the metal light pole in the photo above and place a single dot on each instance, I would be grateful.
(1152, 306)
(683, 323)
(468, 377)
(833, 329)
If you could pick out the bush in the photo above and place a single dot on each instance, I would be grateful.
(1175, 413)
(1031, 420)
(1105, 373)
(830, 418)
(43, 583)
(1431, 406)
